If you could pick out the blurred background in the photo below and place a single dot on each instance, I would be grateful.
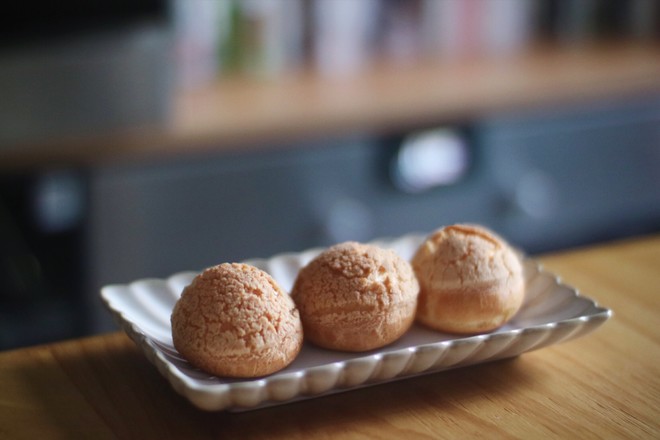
(142, 138)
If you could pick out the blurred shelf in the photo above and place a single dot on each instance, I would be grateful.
(238, 113)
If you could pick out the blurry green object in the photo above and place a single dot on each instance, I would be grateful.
(230, 45)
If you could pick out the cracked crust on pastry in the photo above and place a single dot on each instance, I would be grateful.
(234, 320)
(471, 281)
(356, 297)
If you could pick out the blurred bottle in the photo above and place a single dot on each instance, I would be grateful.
(199, 28)
(508, 26)
(449, 28)
(643, 19)
(270, 36)
(344, 36)
(399, 36)
(467, 28)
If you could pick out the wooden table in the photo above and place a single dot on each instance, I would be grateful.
(604, 385)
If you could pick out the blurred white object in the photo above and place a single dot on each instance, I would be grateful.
(430, 159)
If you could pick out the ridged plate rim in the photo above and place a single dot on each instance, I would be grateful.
(140, 309)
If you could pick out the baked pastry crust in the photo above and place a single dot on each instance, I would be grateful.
(234, 320)
(356, 297)
(471, 280)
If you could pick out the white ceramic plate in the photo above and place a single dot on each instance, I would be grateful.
(552, 313)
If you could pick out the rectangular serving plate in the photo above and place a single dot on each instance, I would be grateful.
(552, 312)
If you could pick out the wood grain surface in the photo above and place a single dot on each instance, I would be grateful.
(604, 385)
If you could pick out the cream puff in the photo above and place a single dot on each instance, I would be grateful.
(234, 320)
(356, 297)
(471, 281)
